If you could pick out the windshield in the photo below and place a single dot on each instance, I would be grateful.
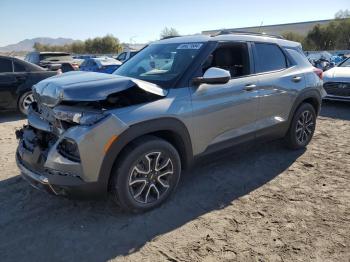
(345, 63)
(161, 64)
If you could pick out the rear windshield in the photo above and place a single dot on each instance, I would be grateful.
(56, 56)
(105, 62)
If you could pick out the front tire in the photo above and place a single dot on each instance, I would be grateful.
(302, 127)
(24, 101)
(146, 175)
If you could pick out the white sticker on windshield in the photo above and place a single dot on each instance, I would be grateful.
(190, 46)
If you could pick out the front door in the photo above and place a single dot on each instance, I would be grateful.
(226, 112)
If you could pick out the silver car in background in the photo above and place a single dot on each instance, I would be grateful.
(133, 132)
(337, 82)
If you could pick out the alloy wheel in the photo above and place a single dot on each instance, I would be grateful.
(27, 100)
(305, 127)
(150, 177)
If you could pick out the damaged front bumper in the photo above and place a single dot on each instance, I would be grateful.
(32, 161)
(44, 166)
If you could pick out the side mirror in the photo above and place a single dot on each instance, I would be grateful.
(213, 75)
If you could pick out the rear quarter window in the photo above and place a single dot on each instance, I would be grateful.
(18, 67)
(298, 57)
(269, 57)
(5, 65)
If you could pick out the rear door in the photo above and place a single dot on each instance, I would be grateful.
(8, 84)
(279, 82)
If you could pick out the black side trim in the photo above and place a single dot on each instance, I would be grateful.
(172, 125)
(304, 95)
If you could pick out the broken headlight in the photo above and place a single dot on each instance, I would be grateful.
(78, 117)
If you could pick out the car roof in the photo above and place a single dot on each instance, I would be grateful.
(48, 52)
(229, 37)
(27, 64)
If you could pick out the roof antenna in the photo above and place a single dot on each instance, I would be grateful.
(262, 22)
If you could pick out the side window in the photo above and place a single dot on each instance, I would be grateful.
(269, 57)
(298, 57)
(132, 54)
(5, 66)
(122, 56)
(233, 57)
(18, 67)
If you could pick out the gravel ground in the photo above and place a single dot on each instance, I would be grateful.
(264, 204)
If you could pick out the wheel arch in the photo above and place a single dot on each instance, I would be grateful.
(308, 96)
(169, 129)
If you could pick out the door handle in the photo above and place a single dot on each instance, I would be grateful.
(296, 79)
(249, 87)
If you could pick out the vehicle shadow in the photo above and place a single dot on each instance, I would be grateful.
(6, 116)
(41, 227)
(335, 109)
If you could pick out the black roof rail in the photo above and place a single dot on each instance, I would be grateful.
(238, 32)
(170, 36)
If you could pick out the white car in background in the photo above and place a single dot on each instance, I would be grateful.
(337, 82)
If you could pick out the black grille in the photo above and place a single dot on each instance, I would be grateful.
(337, 88)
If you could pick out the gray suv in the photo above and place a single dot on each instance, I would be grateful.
(133, 132)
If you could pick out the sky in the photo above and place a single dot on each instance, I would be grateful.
(141, 21)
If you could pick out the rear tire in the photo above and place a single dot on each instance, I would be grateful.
(24, 101)
(302, 127)
(146, 174)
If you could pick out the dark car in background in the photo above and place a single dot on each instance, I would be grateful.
(101, 65)
(16, 80)
(53, 60)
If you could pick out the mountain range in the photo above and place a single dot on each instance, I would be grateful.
(27, 44)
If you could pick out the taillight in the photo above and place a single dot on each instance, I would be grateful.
(318, 72)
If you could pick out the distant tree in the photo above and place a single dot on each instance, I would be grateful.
(335, 35)
(342, 14)
(168, 32)
(343, 34)
(88, 46)
(105, 45)
(38, 47)
(78, 47)
(97, 45)
(292, 36)
(110, 44)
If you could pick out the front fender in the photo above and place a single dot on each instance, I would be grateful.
(137, 130)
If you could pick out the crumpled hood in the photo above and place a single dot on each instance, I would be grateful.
(337, 74)
(87, 86)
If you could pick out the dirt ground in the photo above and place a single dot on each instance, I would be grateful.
(263, 204)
